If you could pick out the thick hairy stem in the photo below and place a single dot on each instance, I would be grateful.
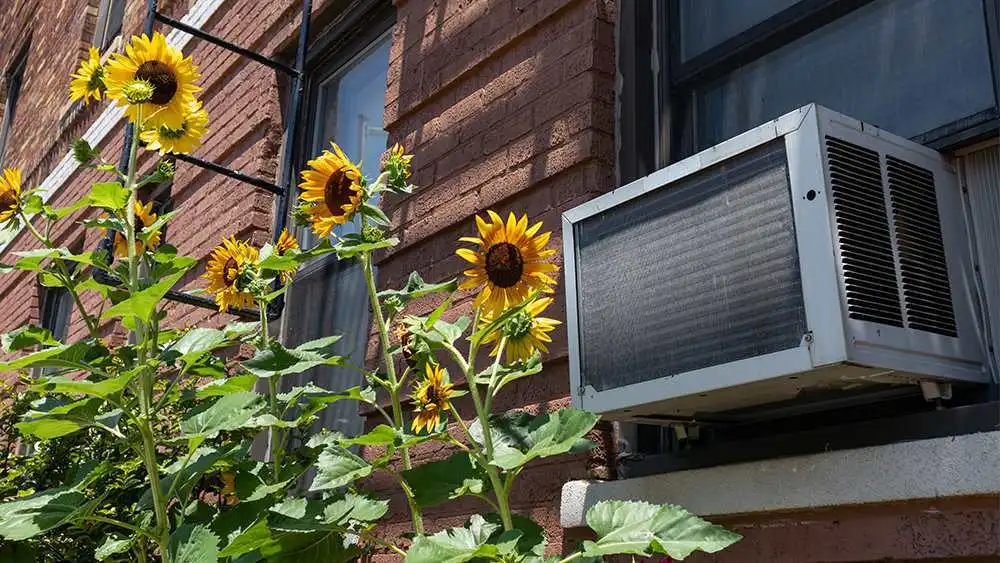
(274, 437)
(146, 378)
(162, 532)
(484, 422)
(394, 385)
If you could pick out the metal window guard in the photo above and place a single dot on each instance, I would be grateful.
(281, 190)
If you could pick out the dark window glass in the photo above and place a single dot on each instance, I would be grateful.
(329, 296)
(57, 307)
(908, 66)
(14, 79)
(707, 23)
(109, 23)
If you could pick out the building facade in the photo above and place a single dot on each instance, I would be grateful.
(538, 106)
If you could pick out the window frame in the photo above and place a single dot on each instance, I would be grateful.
(14, 79)
(676, 81)
(102, 39)
(651, 86)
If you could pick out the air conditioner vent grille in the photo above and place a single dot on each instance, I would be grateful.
(922, 265)
(863, 234)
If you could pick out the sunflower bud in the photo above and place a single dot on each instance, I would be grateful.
(300, 215)
(164, 171)
(138, 92)
(518, 326)
(397, 165)
(371, 233)
(405, 344)
(83, 152)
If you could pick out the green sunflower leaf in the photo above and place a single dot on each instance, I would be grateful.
(193, 544)
(337, 467)
(229, 412)
(278, 361)
(641, 528)
(51, 419)
(436, 482)
(26, 517)
(455, 545)
(108, 195)
(27, 336)
(519, 438)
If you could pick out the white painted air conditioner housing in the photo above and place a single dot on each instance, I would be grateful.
(812, 257)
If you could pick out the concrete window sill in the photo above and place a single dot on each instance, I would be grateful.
(925, 469)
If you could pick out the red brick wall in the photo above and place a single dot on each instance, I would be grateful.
(507, 106)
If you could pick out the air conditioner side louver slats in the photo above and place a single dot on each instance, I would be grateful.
(863, 234)
(924, 271)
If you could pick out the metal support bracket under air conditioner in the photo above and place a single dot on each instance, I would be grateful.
(281, 190)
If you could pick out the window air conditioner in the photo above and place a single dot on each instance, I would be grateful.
(811, 259)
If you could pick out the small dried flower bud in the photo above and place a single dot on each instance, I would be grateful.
(83, 152)
(138, 92)
(405, 344)
(372, 233)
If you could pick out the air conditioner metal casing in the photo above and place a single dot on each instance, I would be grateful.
(838, 337)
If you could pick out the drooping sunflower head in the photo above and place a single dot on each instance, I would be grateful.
(88, 80)
(331, 190)
(184, 139)
(432, 397)
(525, 332)
(228, 266)
(144, 217)
(10, 193)
(164, 67)
(510, 264)
(286, 242)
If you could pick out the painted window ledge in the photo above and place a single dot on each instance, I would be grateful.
(924, 469)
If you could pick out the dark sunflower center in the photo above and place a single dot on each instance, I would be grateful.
(337, 192)
(8, 201)
(433, 397)
(230, 271)
(504, 264)
(161, 77)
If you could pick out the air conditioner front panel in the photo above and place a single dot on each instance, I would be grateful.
(701, 273)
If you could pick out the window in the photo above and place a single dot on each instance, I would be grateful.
(57, 307)
(14, 80)
(109, 23)
(346, 103)
(919, 68)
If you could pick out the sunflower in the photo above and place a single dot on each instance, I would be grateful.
(10, 193)
(432, 397)
(144, 217)
(510, 263)
(286, 242)
(164, 67)
(332, 189)
(227, 263)
(525, 332)
(88, 81)
(184, 139)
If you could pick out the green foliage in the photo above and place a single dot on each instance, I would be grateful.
(640, 528)
(144, 447)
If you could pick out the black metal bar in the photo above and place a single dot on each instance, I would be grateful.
(235, 174)
(179, 25)
(206, 303)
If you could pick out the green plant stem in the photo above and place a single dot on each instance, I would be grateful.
(162, 530)
(571, 557)
(120, 524)
(394, 385)
(274, 433)
(484, 422)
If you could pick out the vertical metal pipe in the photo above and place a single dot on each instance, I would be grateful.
(281, 204)
(293, 118)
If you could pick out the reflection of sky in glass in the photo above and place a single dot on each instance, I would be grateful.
(908, 66)
(350, 108)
